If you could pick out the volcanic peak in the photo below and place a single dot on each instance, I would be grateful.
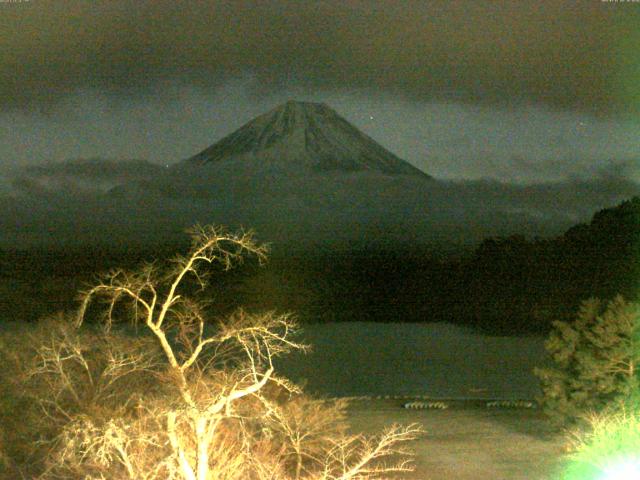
(309, 134)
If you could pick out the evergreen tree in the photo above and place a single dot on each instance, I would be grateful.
(595, 360)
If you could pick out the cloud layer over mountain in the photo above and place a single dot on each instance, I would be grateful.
(297, 211)
(79, 176)
(302, 176)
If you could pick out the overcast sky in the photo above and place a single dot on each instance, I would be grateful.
(519, 91)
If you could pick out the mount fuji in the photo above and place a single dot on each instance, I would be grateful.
(308, 135)
(297, 173)
(302, 176)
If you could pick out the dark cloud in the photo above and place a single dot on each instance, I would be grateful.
(96, 169)
(299, 210)
(567, 54)
(81, 176)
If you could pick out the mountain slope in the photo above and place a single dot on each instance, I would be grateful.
(305, 134)
(302, 176)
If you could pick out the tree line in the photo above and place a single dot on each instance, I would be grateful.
(505, 285)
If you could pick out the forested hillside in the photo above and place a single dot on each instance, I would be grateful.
(506, 285)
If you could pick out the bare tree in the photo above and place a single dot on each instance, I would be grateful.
(213, 406)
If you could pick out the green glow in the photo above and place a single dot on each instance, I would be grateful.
(611, 448)
(628, 469)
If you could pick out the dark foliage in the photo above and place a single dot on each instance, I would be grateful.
(508, 285)
(532, 283)
(595, 360)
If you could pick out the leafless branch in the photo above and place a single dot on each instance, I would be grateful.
(215, 414)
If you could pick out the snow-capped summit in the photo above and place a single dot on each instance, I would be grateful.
(301, 176)
(305, 134)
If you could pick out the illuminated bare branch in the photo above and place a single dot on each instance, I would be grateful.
(202, 400)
